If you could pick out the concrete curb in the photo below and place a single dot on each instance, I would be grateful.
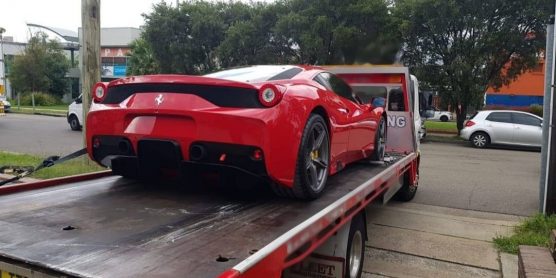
(442, 138)
(39, 113)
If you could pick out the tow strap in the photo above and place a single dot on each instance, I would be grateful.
(48, 162)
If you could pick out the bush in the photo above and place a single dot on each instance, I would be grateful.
(536, 109)
(41, 99)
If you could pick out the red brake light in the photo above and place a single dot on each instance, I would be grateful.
(269, 95)
(469, 123)
(99, 91)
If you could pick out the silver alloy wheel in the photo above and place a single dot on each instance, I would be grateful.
(479, 140)
(355, 254)
(316, 166)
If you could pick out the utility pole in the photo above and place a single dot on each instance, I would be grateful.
(3, 88)
(548, 60)
(90, 57)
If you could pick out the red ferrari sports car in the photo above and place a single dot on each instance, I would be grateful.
(292, 126)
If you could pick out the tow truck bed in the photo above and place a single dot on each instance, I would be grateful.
(124, 228)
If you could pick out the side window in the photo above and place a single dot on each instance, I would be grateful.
(524, 119)
(336, 85)
(322, 79)
(501, 117)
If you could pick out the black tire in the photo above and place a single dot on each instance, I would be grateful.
(444, 118)
(479, 140)
(407, 192)
(74, 123)
(356, 243)
(311, 171)
(380, 141)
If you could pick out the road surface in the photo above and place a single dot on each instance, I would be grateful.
(38, 135)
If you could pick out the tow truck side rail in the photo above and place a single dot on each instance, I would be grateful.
(293, 246)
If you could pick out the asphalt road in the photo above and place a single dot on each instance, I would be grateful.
(456, 176)
(39, 135)
(492, 180)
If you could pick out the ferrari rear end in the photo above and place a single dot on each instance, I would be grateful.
(171, 125)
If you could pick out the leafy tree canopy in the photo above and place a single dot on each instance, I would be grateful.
(141, 59)
(460, 47)
(199, 36)
(41, 67)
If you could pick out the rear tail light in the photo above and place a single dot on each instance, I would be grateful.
(469, 123)
(270, 95)
(99, 92)
(257, 154)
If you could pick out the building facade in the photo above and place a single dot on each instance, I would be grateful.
(526, 90)
(114, 52)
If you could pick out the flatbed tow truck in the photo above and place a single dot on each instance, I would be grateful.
(100, 225)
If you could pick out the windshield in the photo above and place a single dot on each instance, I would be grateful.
(257, 73)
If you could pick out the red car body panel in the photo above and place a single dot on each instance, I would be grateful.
(277, 130)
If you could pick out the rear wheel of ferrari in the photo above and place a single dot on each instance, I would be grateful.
(311, 170)
(380, 141)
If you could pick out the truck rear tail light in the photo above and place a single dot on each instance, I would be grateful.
(99, 92)
(469, 123)
(270, 95)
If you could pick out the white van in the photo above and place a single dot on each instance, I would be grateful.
(75, 114)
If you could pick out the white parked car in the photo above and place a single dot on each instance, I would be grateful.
(506, 127)
(440, 115)
(6, 103)
(75, 114)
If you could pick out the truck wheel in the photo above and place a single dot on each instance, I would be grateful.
(407, 192)
(380, 141)
(444, 118)
(313, 156)
(355, 248)
(74, 123)
(480, 140)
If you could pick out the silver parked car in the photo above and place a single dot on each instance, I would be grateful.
(503, 127)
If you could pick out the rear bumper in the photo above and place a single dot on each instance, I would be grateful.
(239, 128)
(465, 133)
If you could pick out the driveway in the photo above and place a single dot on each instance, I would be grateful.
(492, 180)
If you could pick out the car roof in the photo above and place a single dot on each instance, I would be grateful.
(511, 111)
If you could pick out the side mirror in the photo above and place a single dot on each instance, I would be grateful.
(78, 100)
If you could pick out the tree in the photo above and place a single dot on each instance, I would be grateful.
(185, 39)
(460, 47)
(333, 32)
(141, 60)
(41, 67)
(251, 41)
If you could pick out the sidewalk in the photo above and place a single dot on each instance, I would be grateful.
(414, 240)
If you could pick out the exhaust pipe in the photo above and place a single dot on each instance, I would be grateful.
(197, 152)
(124, 147)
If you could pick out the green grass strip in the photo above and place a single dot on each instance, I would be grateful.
(76, 166)
(533, 231)
(446, 127)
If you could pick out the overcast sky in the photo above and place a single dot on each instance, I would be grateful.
(66, 14)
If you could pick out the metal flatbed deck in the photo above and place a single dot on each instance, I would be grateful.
(125, 228)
